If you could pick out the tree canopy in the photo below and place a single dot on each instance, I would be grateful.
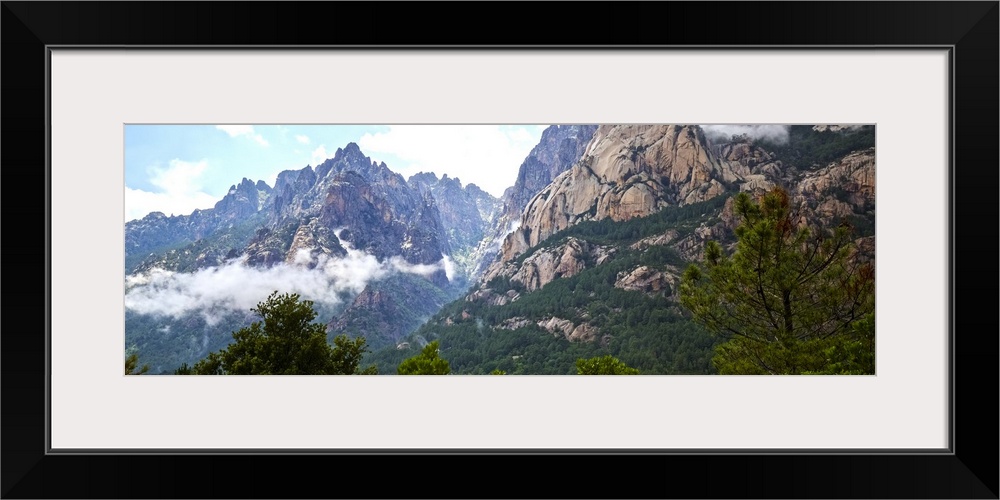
(789, 300)
(132, 365)
(604, 365)
(286, 342)
(428, 362)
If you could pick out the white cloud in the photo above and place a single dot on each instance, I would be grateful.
(180, 177)
(235, 287)
(240, 130)
(486, 155)
(776, 133)
(236, 130)
(520, 135)
(303, 139)
(400, 264)
(449, 267)
(318, 155)
(180, 191)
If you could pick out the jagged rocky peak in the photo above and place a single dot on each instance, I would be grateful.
(154, 216)
(487, 204)
(149, 235)
(305, 180)
(350, 159)
(347, 158)
(422, 181)
(241, 201)
(476, 190)
(425, 182)
(464, 212)
(559, 148)
(304, 193)
(287, 178)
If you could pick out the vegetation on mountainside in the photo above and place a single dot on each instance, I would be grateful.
(806, 148)
(649, 332)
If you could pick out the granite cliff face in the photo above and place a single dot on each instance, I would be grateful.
(843, 188)
(633, 171)
(626, 171)
(562, 260)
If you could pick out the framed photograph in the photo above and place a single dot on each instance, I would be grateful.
(135, 123)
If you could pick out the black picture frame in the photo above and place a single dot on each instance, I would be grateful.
(970, 29)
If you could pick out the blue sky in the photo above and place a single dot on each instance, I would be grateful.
(176, 169)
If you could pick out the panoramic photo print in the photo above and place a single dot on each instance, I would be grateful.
(594, 249)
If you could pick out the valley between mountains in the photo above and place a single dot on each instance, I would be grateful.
(584, 256)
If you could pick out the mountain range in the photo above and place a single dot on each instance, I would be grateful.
(581, 255)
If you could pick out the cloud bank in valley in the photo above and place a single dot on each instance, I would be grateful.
(235, 287)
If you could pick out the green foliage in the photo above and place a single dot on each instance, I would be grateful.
(648, 332)
(786, 302)
(132, 365)
(211, 365)
(807, 148)
(428, 362)
(498, 371)
(167, 342)
(658, 338)
(609, 231)
(184, 369)
(856, 355)
(286, 342)
(345, 357)
(863, 225)
(604, 365)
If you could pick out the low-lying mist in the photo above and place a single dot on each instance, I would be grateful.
(234, 286)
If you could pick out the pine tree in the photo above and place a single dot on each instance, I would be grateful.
(132, 365)
(604, 365)
(428, 362)
(788, 301)
(286, 342)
